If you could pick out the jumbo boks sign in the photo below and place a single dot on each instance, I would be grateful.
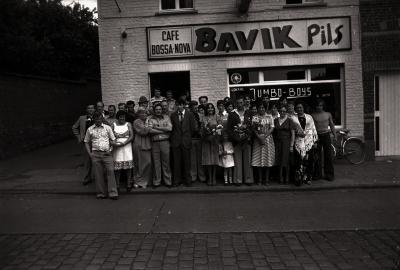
(249, 38)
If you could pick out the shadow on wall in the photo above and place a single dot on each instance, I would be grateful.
(37, 111)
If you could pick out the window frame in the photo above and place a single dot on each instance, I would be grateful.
(306, 3)
(177, 7)
(307, 80)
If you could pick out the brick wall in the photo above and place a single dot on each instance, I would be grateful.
(125, 68)
(380, 24)
(35, 112)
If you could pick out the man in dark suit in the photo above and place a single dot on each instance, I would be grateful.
(79, 130)
(183, 126)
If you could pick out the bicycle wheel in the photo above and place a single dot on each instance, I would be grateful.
(354, 150)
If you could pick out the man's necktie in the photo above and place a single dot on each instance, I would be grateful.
(180, 117)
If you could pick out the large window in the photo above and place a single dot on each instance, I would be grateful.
(299, 84)
(176, 4)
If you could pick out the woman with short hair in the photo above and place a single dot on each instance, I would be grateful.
(305, 141)
(263, 154)
(284, 142)
(123, 157)
(210, 148)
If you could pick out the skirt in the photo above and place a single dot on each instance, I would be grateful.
(123, 157)
(263, 155)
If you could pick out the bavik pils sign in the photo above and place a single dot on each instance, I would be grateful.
(249, 38)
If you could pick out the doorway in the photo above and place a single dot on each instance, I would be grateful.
(177, 82)
(387, 111)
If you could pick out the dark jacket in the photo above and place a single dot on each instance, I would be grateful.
(234, 120)
(182, 132)
(81, 125)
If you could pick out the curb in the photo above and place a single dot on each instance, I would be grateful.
(209, 190)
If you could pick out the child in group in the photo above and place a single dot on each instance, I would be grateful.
(226, 159)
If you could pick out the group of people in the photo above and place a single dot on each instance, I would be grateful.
(171, 142)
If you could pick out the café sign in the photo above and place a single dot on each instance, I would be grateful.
(249, 38)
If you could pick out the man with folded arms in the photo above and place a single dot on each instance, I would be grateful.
(160, 129)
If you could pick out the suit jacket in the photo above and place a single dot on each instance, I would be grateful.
(79, 128)
(182, 132)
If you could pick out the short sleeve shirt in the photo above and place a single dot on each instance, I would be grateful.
(100, 137)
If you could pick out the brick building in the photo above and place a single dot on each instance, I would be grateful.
(299, 48)
(380, 20)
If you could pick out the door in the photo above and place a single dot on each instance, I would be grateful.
(176, 82)
(387, 114)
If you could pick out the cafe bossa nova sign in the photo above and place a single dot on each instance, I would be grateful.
(249, 38)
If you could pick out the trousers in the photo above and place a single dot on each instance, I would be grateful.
(196, 169)
(181, 156)
(161, 162)
(243, 172)
(87, 165)
(324, 143)
(103, 165)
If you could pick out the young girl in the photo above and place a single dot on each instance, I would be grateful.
(226, 159)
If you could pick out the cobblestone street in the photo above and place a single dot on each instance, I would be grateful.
(291, 250)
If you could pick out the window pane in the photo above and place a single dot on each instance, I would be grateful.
(167, 4)
(243, 76)
(325, 73)
(185, 3)
(284, 74)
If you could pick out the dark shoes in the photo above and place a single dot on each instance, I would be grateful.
(86, 182)
(101, 196)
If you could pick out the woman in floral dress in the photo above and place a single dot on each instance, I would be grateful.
(263, 155)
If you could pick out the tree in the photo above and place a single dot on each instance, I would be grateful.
(43, 37)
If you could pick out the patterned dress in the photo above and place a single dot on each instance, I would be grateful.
(263, 154)
(123, 158)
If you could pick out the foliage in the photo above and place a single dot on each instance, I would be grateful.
(45, 38)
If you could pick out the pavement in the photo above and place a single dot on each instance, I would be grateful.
(324, 250)
(58, 169)
(350, 223)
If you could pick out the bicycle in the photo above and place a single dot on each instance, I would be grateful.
(351, 148)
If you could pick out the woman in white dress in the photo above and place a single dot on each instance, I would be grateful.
(122, 154)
